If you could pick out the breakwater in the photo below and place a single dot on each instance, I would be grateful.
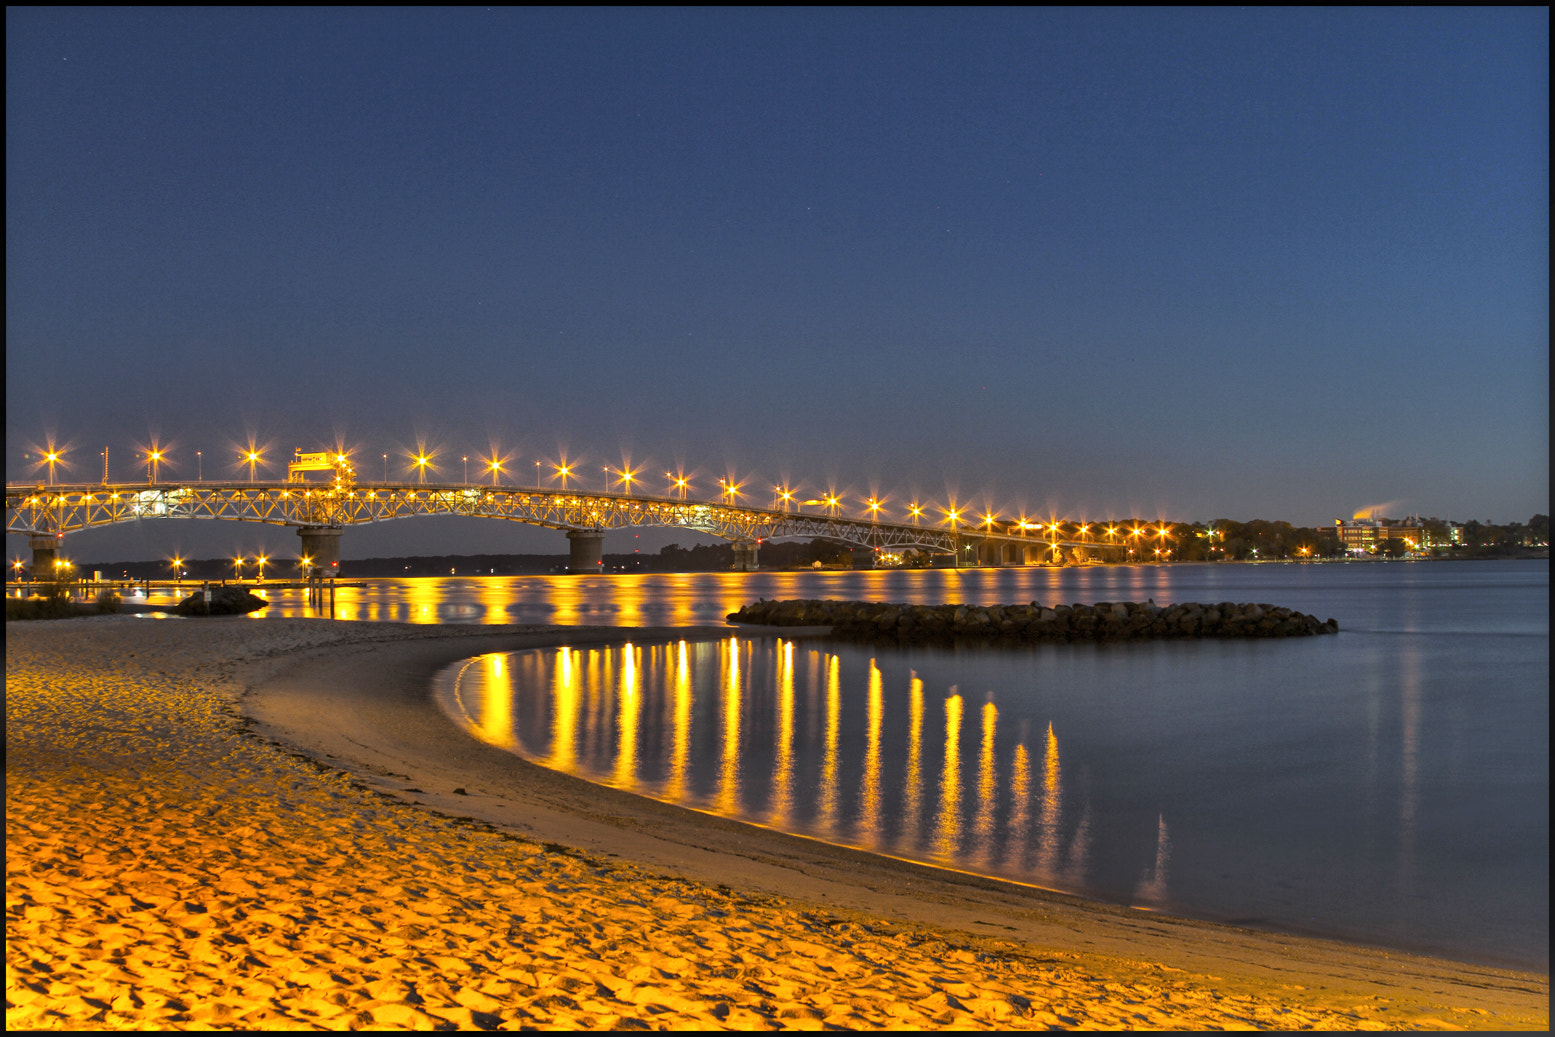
(1102, 621)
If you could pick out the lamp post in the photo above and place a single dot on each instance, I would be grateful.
(260, 562)
(466, 468)
(199, 466)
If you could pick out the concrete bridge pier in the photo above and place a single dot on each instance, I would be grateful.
(745, 556)
(45, 552)
(321, 546)
(587, 551)
(990, 553)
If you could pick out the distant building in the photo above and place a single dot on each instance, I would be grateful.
(1368, 536)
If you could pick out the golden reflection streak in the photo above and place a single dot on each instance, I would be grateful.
(1080, 849)
(826, 812)
(564, 712)
(729, 776)
(912, 795)
(680, 750)
(596, 690)
(565, 596)
(1047, 825)
(493, 593)
(1020, 810)
(869, 795)
(1409, 753)
(627, 590)
(1153, 887)
(983, 826)
(948, 835)
(422, 598)
(626, 718)
(783, 772)
(496, 703)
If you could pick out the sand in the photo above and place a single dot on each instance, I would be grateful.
(240, 823)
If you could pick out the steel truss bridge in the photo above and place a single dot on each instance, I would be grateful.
(324, 509)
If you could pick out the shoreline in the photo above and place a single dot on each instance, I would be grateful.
(337, 723)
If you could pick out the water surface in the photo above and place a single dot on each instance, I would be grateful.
(1388, 785)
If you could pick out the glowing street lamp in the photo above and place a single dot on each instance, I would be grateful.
(385, 467)
(563, 472)
(678, 483)
(782, 497)
(237, 568)
(421, 461)
(832, 502)
(52, 457)
(199, 466)
(153, 463)
(627, 475)
(178, 567)
(260, 561)
(253, 458)
(915, 510)
(495, 467)
(874, 507)
(952, 516)
(466, 467)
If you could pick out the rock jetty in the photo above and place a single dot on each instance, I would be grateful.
(1103, 621)
(227, 600)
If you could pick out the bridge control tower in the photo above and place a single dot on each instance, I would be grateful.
(321, 543)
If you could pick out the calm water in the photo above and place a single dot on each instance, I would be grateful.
(1388, 785)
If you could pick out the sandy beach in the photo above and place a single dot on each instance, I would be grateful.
(233, 823)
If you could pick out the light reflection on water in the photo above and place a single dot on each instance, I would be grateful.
(1389, 785)
(762, 730)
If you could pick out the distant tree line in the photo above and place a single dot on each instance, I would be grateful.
(1262, 539)
(1220, 540)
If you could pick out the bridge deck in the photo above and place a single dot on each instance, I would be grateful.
(56, 510)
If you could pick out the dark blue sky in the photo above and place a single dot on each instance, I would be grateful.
(1186, 264)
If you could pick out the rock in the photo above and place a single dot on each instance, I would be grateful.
(1013, 624)
(229, 600)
